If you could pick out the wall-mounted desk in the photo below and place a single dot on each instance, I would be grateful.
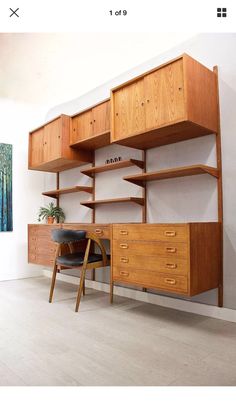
(180, 258)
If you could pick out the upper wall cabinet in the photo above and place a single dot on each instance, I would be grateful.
(90, 129)
(49, 147)
(174, 102)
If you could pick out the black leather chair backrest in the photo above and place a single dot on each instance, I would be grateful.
(68, 236)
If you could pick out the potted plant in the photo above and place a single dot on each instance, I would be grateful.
(50, 213)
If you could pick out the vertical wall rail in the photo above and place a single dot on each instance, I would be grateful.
(144, 194)
(93, 218)
(144, 190)
(220, 191)
(58, 187)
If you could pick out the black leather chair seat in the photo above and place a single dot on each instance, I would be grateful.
(77, 259)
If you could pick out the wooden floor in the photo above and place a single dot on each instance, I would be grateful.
(129, 343)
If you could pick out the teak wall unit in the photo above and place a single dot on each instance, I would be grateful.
(176, 101)
(49, 147)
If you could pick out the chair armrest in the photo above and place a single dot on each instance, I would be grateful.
(93, 237)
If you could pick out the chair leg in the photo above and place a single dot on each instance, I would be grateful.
(84, 287)
(81, 285)
(111, 291)
(54, 274)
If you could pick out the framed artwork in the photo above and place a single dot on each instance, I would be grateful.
(5, 187)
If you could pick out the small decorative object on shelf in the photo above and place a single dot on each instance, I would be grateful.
(113, 160)
(51, 213)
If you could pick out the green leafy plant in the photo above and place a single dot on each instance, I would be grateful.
(51, 210)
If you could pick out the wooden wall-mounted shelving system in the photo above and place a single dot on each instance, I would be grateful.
(176, 101)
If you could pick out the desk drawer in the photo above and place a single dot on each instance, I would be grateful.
(151, 279)
(101, 230)
(125, 247)
(162, 232)
(45, 231)
(159, 264)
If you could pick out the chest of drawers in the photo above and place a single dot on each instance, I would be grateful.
(41, 248)
(179, 258)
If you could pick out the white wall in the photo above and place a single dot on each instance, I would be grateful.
(176, 200)
(27, 187)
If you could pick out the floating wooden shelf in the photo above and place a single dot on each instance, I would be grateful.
(112, 166)
(197, 169)
(57, 192)
(92, 204)
(93, 142)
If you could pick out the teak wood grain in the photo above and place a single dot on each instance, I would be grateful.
(176, 101)
(55, 193)
(90, 129)
(198, 264)
(197, 169)
(49, 147)
(132, 199)
(155, 249)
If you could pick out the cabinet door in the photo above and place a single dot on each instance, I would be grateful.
(36, 148)
(129, 113)
(82, 126)
(101, 118)
(52, 140)
(164, 95)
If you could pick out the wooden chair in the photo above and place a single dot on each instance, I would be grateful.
(74, 259)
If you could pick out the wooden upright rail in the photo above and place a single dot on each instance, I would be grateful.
(220, 191)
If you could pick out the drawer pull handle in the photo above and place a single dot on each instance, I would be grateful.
(124, 246)
(170, 233)
(98, 231)
(124, 273)
(171, 265)
(170, 281)
(124, 232)
(124, 260)
(171, 249)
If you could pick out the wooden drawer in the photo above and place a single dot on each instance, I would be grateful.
(46, 230)
(124, 247)
(152, 279)
(160, 264)
(161, 232)
(101, 230)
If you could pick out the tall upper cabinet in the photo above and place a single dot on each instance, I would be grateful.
(49, 147)
(174, 102)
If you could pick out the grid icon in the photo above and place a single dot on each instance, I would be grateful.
(221, 12)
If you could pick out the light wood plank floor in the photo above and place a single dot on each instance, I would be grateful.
(129, 343)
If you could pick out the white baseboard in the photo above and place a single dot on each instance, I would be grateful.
(182, 305)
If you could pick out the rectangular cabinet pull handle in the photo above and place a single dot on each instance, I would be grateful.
(170, 233)
(98, 231)
(124, 232)
(171, 265)
(171, 249)
(124, 260)
(170, 281)
(124, 246)
(124, 273)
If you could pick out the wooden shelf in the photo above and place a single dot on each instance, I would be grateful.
(94, 142)
(197, 169)
(92, 204)
(112, 166)
(57, 192)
